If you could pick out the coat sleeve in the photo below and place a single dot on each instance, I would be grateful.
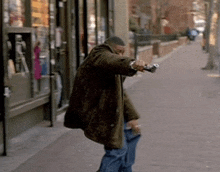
(114, 63)
(130, 112)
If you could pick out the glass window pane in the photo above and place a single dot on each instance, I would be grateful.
(91, 25)
(40, 23)
(81, 30)
(111, 18)
(102, 27)
(16, 13)
(40, 18)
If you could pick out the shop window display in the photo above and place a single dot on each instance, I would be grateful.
(20, 61)
(40, 18)
(16, 13)
(40, 23)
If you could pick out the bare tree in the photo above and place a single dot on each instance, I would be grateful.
(218, 35)
(210, 63)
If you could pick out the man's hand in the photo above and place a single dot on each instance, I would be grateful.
(134, 126)
(139, 65)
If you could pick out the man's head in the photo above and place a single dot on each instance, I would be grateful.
(117, 44)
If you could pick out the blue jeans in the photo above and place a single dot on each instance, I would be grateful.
(121, 160)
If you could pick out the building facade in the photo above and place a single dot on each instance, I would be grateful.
(43, 42)
(164, 16)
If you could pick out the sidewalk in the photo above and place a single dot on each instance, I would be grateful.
(179, 116)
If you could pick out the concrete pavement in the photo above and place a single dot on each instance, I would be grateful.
(179, 108)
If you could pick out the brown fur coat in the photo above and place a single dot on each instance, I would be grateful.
(98, 104)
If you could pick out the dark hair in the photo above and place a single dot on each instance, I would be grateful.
(114, 40)
(37, 44)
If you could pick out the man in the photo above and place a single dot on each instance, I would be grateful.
(101, 108)
(194, 34)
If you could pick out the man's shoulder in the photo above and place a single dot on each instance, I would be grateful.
(98, 50)
(102, 47)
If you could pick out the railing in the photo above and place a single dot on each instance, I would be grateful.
(146, 39)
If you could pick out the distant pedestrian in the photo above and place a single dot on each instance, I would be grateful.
(188, 34)
(194, 34)
(37, 66)
(101, 108)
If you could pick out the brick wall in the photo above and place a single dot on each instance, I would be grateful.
(177, 12)
(146, 54)
(160, 49)
(182, 40)
(167, 47)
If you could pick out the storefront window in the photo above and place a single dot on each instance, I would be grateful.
(81, 29)
(97, 27)
(40, 23)
(16, 13)
(40, 18)
(91, 25)
(111, 17)
(102, 27)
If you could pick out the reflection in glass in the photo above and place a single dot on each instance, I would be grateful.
(101, 20)
(16, 13)
(40, 18)
(40, 23)
(81, 29)
(91, 25)
(111, 18)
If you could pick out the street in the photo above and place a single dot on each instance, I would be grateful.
(179, 109)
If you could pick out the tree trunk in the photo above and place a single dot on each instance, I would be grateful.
(208, 24)
(210, 63)
(218, 36)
